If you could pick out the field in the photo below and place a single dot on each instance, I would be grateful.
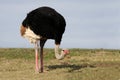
(80, 64)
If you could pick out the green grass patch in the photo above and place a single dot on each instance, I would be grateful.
(80, 64)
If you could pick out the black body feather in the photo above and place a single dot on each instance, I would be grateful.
(46, 22)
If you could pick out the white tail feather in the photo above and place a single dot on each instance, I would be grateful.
(31, 36)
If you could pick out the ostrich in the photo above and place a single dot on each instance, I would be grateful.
(40, 25)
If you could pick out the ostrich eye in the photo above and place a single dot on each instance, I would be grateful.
(63, 50)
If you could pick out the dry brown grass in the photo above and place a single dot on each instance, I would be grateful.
(18, 64)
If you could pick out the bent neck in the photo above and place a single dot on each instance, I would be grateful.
(57, 55)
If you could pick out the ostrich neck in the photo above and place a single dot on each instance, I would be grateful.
(57, 55)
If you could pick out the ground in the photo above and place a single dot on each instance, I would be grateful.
(80, 64)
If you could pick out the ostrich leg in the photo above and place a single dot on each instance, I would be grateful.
(36, 57)
(42, 42)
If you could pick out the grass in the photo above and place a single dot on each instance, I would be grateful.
(80, 64)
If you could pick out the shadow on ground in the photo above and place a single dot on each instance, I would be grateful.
(71, 67)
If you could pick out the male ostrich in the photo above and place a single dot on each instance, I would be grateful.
(41, 24)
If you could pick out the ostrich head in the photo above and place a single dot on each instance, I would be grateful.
(63, 53)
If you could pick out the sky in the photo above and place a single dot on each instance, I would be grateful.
(90, 23)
